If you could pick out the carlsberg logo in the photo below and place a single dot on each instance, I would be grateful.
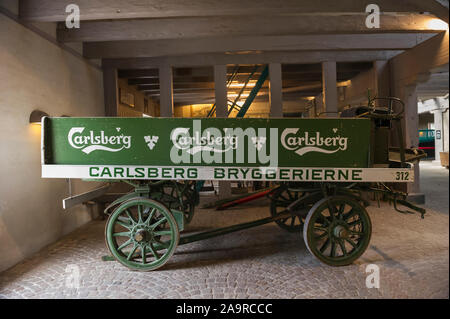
(312, 142)
(94, 142)
(227, 145)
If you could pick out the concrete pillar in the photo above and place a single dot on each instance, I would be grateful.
(166, 91)
(411, 137)
(438, 134)
(445, 133)
(111, 91)
(319, 107)
(275, 90)
(329, 88)
(220, 88)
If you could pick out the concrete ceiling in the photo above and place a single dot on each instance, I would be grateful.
(138, 36)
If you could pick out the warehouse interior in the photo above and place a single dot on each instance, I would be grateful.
(198, 59)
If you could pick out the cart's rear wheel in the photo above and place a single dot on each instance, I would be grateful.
(337, 230)
(176, 196)
(280, 200)
(142, 234)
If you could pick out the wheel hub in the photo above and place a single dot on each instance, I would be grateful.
(142, 235)
(340, 232)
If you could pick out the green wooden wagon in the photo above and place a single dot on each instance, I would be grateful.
(323, 167)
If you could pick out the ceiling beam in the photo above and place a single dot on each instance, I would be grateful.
(148, 74)
(193, 27)
(286, 57)
(141, 81)
(155, 48)
(54, 10)
(432, 54)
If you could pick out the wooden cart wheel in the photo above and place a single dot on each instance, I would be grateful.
(280, 200)
(176, 196)
(142, 234)
(337, 230)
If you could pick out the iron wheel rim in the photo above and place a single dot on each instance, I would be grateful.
(337, 230)
(136, 218)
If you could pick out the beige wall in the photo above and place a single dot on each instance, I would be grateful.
(36, 74)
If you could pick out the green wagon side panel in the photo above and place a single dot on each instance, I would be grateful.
(150, 141)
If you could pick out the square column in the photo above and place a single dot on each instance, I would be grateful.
(166, 91)
(329, 88)
(275, 90)
(110, 91)
(220, 88)
(438, 135)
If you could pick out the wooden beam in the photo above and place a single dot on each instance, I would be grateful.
(180, 85)
(147, 74)
(166, 90)
(329, 88)
(110, 90)
(287, 57)
(275, 90)
(141, 81)
(433, 54)
(54, 10)
(195, 27)
(85, 197)
(156, 48)
(220, 90)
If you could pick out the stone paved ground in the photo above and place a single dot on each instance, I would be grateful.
(264, 262)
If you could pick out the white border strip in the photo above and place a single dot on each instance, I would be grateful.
(306, 174)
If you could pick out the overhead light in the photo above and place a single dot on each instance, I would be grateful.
(437, 24)
(240, 85)
(36, 116)
(236, 95)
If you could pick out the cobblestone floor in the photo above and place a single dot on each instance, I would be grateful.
(264, 262)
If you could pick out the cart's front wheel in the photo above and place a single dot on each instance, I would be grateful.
(337, 230)
(142, 234)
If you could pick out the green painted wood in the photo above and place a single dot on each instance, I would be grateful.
(154, 141)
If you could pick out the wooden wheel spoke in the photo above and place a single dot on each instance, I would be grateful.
(125, 244)
(161, 245)
(331, 209)
(159, 222)
(127, 226)
(291, 198)
(355, 222)
(154, 252)
(140, 220)
(163, 233)
(350, 214)
(341, 210)
(356, 233)
(323, 219)
(132, 251)
(292, 221)
(122, 234)
(333, 249)
(325, 245)
(323, 235)
(150, 216)
(350, 242)
(342, 245)
(143, 254)
(321, 228)
(129, 216)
